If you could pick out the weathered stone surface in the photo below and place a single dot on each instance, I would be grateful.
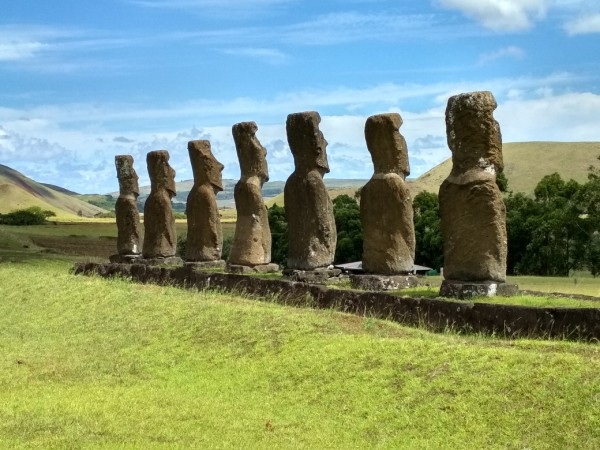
(383, 282)
(214, 264)
(465, 290)
(160, 261)
(204, 233)
(317, 276)
(252, 240)
(386, 205)
(471, 205)
(124, 259)
(127, 215)
(160, 237)
(259, 268)
(308, 208)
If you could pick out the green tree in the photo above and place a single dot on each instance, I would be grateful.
(502, 181)
(279, 234)
(547, 235)
(349, 229)
(428, 230)
(29, 216)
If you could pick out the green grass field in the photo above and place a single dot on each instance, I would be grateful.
(95, 363)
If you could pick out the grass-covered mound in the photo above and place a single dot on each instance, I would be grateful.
(95, 362)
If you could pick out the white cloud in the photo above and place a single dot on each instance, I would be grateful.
(224, 9)
(225, 4)
(74, 144)
(267, 55)
(584, 25)
(15, 50)
(512, 52)
(337, 28)
(501, 15)
(551, 117)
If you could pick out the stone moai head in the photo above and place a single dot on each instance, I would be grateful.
(307, 143)
(386, 145)
(128, 179)
(472, 132)
(251, 154)
(206, 168)
(162, 175)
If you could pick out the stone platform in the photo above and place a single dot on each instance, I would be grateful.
(465, 290)
(374, 282)
(316, 276)
(216, 264)
(259, 268)
(169, 261)
(125, 259)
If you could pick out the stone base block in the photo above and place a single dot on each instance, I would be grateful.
(465, 290)
(317, 276)
(216, 264)
(125, 259)
(374, 282)
(259, 268)
(168, 260)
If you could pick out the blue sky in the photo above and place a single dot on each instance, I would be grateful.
(82, 81)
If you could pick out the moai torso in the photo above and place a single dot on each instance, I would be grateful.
(160, 237)
(252, 240)
(308, 208)
(127, 215)
(385, 203)
(204, 235)
(471, 205)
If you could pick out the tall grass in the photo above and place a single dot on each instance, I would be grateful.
(89, 362)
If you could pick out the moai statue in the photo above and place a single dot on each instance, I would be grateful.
(160, 237)
(204, 235)
(128, 217)
(386, 205)
(251, 247)
(471, 205)
(308, 208)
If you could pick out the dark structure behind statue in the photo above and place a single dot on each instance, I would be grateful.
(160, 237)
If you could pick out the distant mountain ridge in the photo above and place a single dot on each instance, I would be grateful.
(18, 192)
(271, 189)
(525, 163)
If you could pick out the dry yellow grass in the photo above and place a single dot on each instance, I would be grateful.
(19, 192)
(526, 163)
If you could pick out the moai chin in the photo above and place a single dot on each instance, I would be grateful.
(471, 205)
(204, 235)
(386, 205)
(127, 215)
(160, 237)
(252, 241)
(308, 208)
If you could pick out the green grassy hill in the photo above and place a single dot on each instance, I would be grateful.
(526, 163)
(18, 192)
(105, 363)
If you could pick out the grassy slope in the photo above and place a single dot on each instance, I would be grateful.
(93, 362)
(525, 163)
(18, 192)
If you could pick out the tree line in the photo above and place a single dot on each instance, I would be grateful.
(551, 233)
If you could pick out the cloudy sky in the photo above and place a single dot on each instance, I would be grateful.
(83, 80)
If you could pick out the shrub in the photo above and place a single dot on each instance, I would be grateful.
(29, 216)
